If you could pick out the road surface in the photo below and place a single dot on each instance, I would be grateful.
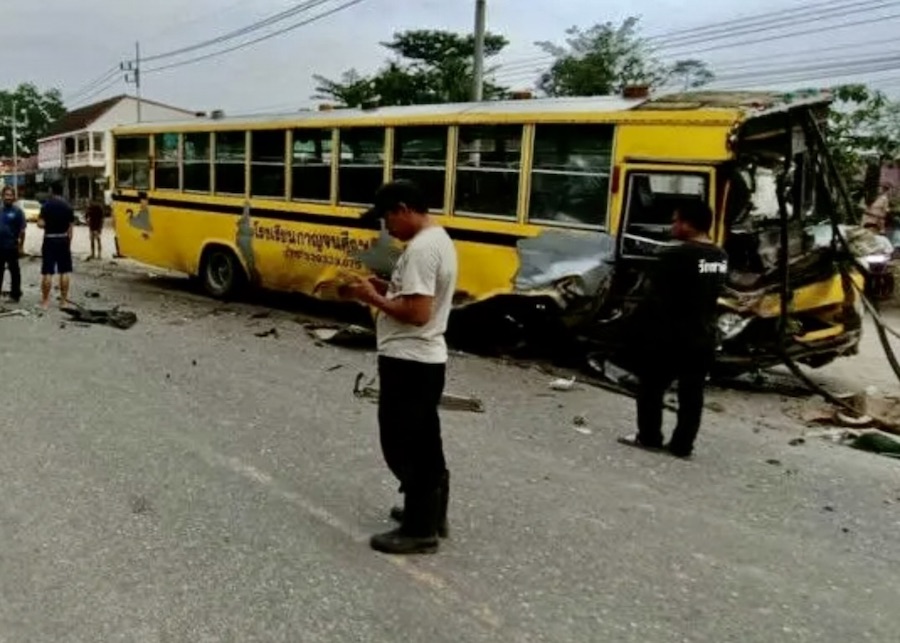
(187, 480)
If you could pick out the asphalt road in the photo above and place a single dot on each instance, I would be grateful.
(186, 480)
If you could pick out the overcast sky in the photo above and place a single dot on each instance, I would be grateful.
(68, 43)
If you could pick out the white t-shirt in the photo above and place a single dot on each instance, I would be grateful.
(427, 267)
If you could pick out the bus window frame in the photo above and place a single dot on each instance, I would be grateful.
(283, 165)
(446, 200)
(707, 172)
(179, 161)
(211, 142)
(338, 151)
(524, 159)
(292, 130)
(148, 160)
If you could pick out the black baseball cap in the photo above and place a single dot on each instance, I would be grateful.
(390, 195)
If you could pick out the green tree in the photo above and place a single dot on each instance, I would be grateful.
(35, 110)
(429, 67)
(863, 130)
(690, 74)
(601, 60)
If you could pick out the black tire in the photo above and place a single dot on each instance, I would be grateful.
(221, 274)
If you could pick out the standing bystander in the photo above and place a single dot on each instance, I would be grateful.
(413, 310)
(57, 220)
(675, 330)
(94, 216)
(12, 242)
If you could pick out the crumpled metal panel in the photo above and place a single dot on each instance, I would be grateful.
(584, 259)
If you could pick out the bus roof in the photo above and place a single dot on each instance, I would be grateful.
(717, 106)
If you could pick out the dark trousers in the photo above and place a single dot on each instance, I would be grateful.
(690, 369)
(10, 259)
(410, 428)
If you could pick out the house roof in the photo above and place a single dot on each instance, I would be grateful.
(81, 118)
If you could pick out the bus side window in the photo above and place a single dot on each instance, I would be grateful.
(267, 175)
(196, 161)
(361, 164)
(231, 153)
(651, 203)
(165, 170)
(570, 175)
(133, 162)
(489, 160)
(420, 155)
(311, 165)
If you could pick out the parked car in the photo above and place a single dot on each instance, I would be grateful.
(32, 209)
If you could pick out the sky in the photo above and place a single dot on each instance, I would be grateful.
(69, 45)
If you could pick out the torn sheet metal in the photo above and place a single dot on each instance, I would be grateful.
(348, 336)
(579, 264)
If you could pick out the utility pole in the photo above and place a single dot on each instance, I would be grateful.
(15, 146)
(135, 76)
(478, 67)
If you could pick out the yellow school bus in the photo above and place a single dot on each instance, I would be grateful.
(556, 207)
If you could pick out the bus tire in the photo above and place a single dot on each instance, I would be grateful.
(221, 273)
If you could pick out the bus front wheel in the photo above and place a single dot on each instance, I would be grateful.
(220, 272)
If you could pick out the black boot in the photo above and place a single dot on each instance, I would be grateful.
(443, 527)
(418, 532)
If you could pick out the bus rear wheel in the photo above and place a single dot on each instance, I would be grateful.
(221, 273)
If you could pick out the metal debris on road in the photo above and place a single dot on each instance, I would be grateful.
(449, 401)
(17, 312)
(121, 319)
(351, 336)
(272, 332)
(562, 384)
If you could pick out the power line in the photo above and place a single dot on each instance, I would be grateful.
(89, 98)
(667, 41)
(255, 41)
(760, 23)
(87, 87)
(256, 26)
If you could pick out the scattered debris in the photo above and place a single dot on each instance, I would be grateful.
(579, 420)
(92, 294)
(331, 369)
(272, 332)
(263, 314)
(828, 508)
(17, 312)
(121, 319)
(774, 462)
(351, 336)
(584, 430)
(449, 401)
(715, 407)
(797, 442)
(878, 442)
(140, 505)
(193, 362)
(562, 384)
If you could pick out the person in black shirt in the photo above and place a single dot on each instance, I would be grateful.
(57, 219)
(675, 329)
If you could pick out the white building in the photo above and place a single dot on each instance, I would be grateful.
(76, 153)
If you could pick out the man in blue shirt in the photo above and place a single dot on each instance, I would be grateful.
(12, 240)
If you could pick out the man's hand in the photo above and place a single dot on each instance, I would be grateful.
(364, 290)
(380, 285)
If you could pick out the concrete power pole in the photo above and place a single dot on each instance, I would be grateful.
(135, 76)
(478, 67)
(15, 146)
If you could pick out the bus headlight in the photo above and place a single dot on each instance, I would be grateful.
(731, 324)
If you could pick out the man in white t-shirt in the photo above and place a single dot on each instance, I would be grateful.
(413, 309)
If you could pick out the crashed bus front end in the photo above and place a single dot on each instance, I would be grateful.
(575, 293)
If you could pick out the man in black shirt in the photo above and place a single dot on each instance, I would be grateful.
(57, 219)
(676, 333)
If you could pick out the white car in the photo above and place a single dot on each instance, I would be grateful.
(32, 209)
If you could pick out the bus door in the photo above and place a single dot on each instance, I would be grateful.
(651, 195)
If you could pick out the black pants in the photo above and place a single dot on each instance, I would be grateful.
(690, 369)
(10, 259)
(410, 428)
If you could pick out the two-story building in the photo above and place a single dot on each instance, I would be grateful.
(76, 153)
